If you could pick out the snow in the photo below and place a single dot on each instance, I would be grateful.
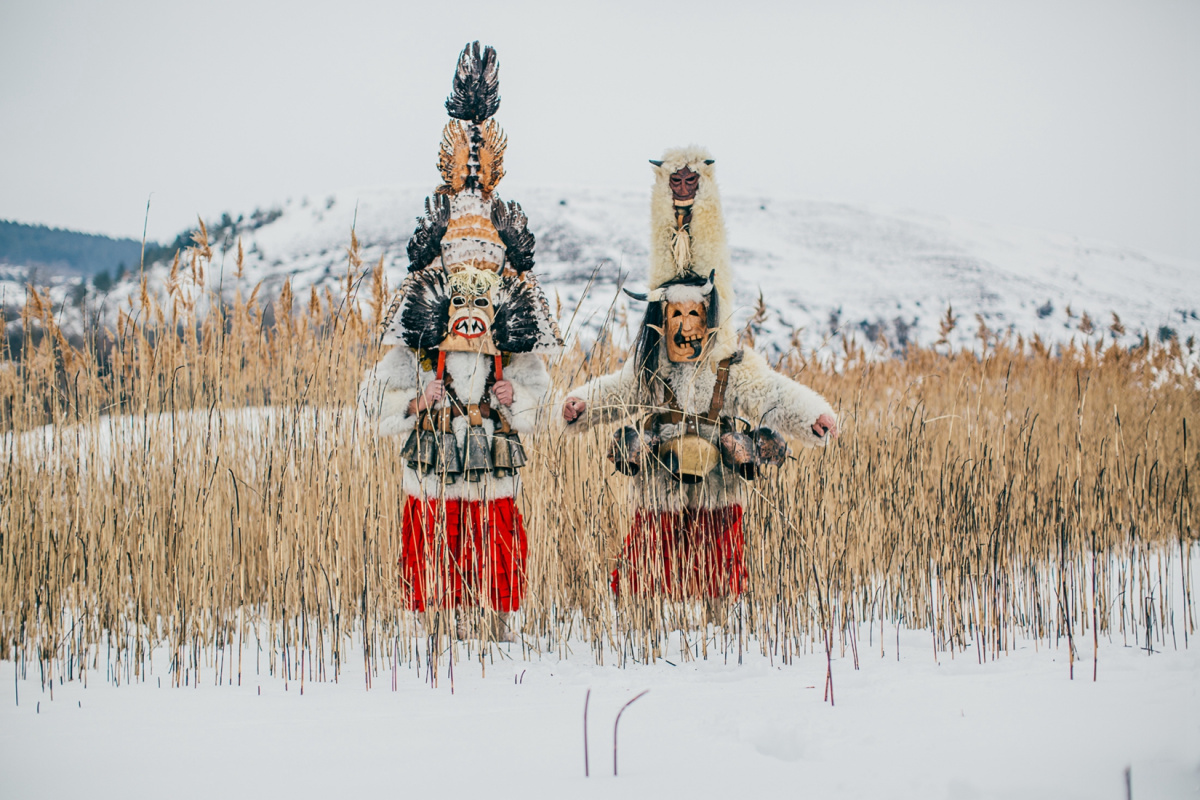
(903, 726)
(93, 444)
(810, 259)
(906, 723)
(826, 269)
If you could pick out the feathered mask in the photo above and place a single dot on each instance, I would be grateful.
(471, 254)
(442, 311)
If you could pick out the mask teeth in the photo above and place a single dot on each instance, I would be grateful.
(472, 326)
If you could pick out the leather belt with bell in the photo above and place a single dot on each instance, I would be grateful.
(434, 447)
(439, 419)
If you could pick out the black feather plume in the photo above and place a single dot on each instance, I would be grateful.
(425, 310)
(523, 323)
(511, 223)
(426, 242)
(476, 85)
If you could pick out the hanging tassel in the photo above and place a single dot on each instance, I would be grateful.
(681, 248)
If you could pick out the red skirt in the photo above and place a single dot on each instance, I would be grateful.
(693, 553)
(463, 552)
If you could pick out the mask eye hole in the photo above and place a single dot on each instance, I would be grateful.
(459, 301)
(693, 313)
(481, 302)
(676, 313)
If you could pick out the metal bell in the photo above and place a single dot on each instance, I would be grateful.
(772, 449)
(628, 451)
(689, 458)
(426, 456)
(478, 455)
(501, 455)
(739, 453)
(516, 449)
(409, 452)
(448, 461)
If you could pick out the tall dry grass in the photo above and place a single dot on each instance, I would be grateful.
(201, 482)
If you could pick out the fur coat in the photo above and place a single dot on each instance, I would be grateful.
(399, 378)
(755, 392)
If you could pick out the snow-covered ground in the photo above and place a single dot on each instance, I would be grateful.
(907, 727)
(914, 726)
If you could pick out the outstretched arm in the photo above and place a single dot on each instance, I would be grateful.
(603, 399)
(767, 398)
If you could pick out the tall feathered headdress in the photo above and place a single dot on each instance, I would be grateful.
(466, 226)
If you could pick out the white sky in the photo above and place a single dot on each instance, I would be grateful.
(1081, 117)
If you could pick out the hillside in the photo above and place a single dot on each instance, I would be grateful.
(39, 246)
(825, 270)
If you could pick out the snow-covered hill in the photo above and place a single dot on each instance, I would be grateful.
(824, 269)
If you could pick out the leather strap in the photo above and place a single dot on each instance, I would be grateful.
(439, 419)
(718, 396)
(713, 417)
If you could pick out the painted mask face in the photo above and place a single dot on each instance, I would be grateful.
(686, 331)
(684, 185)
(470, 326)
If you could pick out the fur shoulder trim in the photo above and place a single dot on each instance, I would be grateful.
(387, 389)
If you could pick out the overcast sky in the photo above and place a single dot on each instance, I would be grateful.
(1082, 117)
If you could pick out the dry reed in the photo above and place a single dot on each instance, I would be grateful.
(201, 482)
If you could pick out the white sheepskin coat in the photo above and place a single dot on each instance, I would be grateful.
(398, 378)
(710, 253)
(754, 391)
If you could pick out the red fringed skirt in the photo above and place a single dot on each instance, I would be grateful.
(691, 553)
(463, 552)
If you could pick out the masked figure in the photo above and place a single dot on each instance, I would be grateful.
(707, 417)
(466, 377)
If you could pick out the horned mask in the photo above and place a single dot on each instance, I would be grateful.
(684, 183)
(687, 316)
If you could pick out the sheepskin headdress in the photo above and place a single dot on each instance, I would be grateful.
(467, 227)
(679, 252)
